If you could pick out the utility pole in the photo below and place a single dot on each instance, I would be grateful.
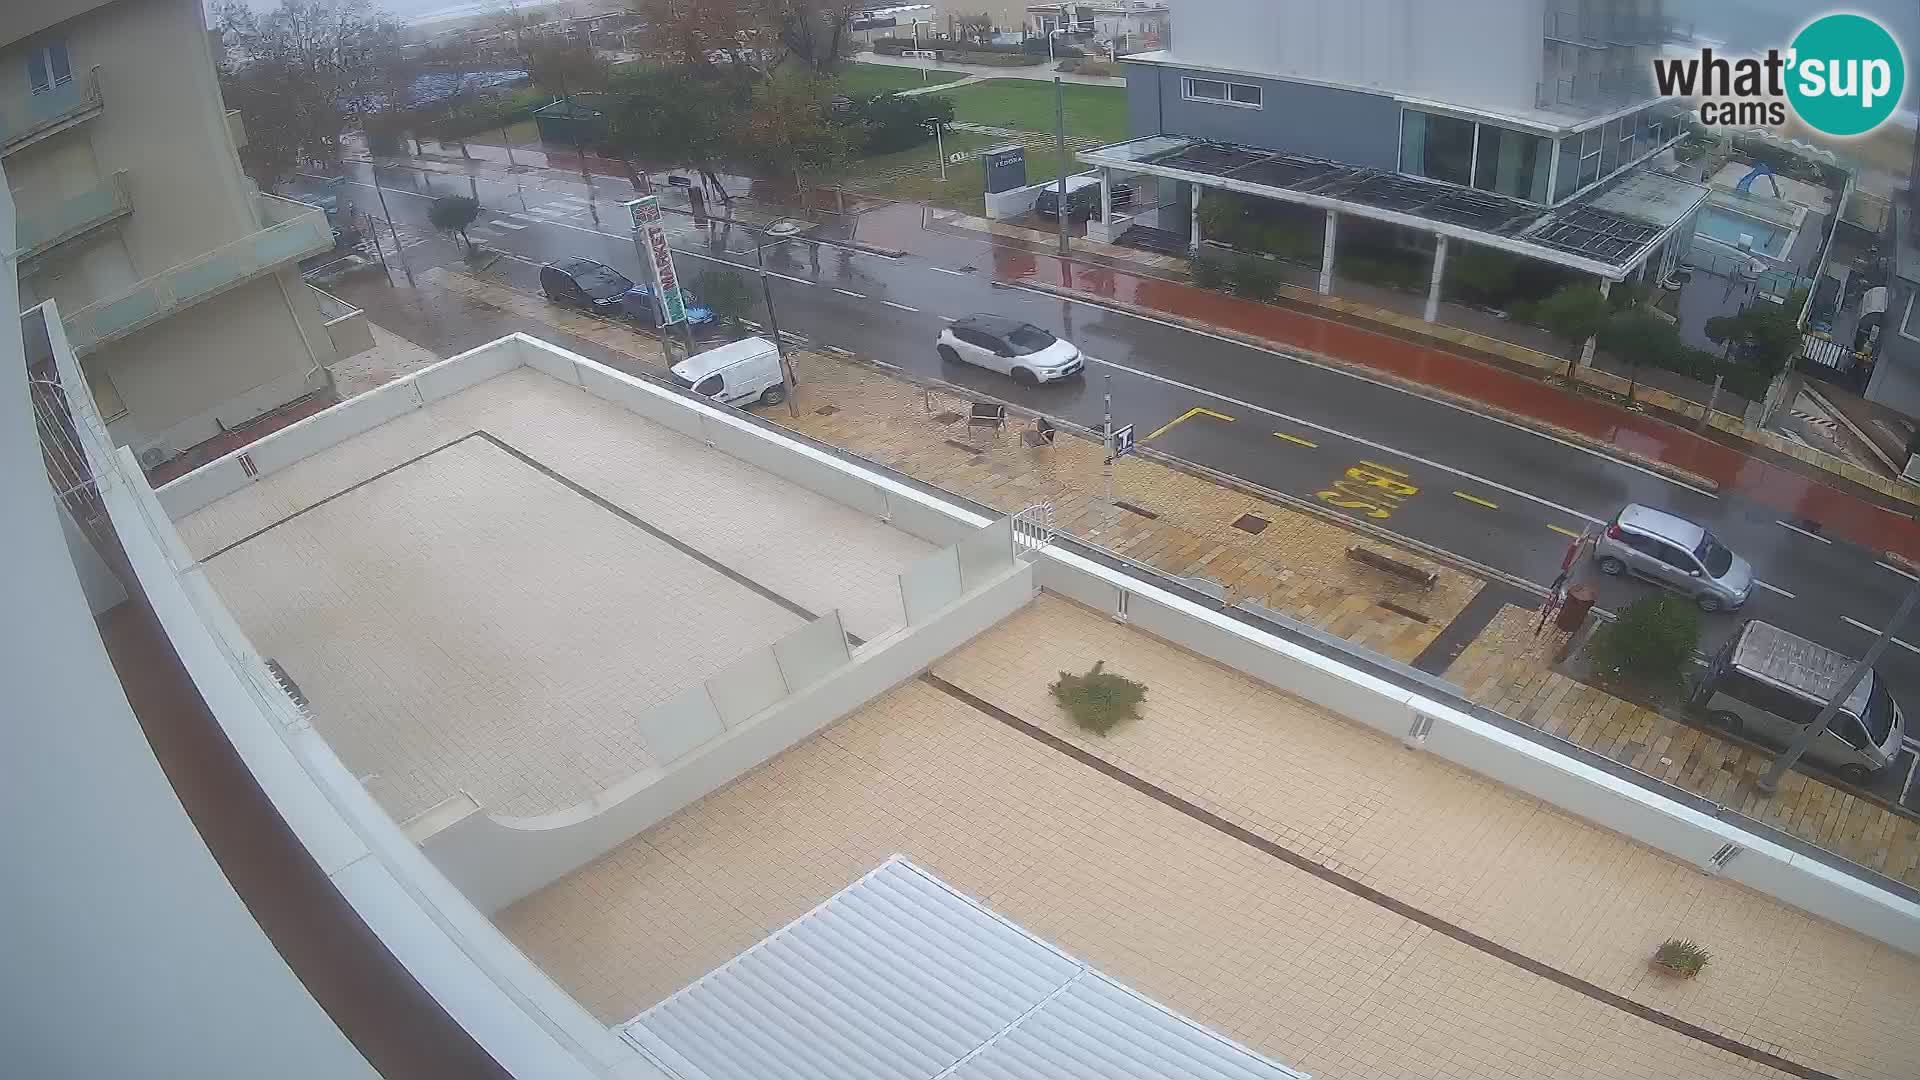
(773, 324)
(1106, 461)
(939, 145)
(1060, 151)
(1770, 779)
(388, 214)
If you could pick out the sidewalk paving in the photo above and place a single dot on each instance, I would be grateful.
(1277, 940)
(1510, 670)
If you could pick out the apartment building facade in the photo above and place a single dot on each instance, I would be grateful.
(178, 278)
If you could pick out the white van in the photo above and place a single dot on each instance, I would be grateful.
(738, 373)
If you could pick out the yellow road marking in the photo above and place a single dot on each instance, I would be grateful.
(1564, 532)
(1389, 470)
(1183, 418)
(1295, 439)
(1475, 500)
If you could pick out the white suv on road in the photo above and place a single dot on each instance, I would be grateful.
(1026, 352)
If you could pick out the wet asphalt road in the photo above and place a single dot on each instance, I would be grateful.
(1499, 495)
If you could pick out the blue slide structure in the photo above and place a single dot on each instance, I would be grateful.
(1745, 186)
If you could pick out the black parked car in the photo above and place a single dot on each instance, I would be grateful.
(595, 286)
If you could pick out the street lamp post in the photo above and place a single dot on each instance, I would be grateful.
(1060, 212)
(773, 323)
(940, 145)
(398, 253)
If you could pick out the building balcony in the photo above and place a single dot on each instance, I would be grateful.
(346, 325)
(29, 119)
(288, 231)
(75, 216)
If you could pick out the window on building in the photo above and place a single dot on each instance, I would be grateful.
(1437, 147)
(1589, 156)
(48, 66)
(1909, 326)
(1642, 132)
(1609, 147)
(1569, 176)
(1221, 92)
(1513, 163)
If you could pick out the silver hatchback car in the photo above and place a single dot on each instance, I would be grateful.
(1676, 553)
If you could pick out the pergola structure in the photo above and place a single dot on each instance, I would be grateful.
(1610, 232)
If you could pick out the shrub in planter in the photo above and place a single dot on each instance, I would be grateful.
(1209, 271)
(1680, 957)
(1255, 278)
(1099, 699)
(1651, 641)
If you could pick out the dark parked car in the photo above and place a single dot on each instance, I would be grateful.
(1083, 198)
(598, 287)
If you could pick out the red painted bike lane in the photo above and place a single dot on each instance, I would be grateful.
(1794, 494)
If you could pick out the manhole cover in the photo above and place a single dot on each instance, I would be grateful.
(826, 410)
(1251, 523)
(946, 417)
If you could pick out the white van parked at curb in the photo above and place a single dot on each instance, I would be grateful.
(738, 373)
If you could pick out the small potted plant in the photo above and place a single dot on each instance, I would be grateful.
(1099, 699)
(1680, 958)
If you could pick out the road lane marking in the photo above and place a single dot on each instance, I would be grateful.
(1388, 469)
(1476, 500)
(948, 318)
(850, 292)
(1296, 439)
(1902, 573)
(1801, 531)
(1337, 433)
(506, 224)
(1773, 588)
(944, 270)
(1335, 370)
(842, 352)
(902, 307)
(1858, 625)
(1183, 418)
(1565, 532)
(1375, 490)
(693, 255)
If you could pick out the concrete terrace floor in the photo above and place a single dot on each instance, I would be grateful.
(483, 613)
(1219, 854)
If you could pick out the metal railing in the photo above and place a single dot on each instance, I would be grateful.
(23, 118)
(291, 230)
(40, 231)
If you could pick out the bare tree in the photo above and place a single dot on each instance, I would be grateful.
(298, 72)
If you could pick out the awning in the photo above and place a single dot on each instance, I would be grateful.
(899, 977)
(1607, 232)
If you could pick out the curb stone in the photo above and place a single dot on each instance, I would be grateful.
(1666, 469)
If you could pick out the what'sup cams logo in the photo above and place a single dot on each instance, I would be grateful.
(1843, 75)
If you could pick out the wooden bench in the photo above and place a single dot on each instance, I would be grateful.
(1387, 564)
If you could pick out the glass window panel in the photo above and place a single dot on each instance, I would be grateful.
(1569, 178)
(1244, 93)
(1512, 163)
(1440, 147)
(57, 60)
(1610, 147)
(1207, 89)
(37, 71)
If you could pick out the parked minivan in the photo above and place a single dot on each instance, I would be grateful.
(738, 373)
(1770, 685)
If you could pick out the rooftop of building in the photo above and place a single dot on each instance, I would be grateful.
(1608, 231)
(483, 595)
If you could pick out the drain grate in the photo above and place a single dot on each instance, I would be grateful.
(1141, 510)
(946, 417)
(1408, 612)
(826, 410)
(1252, 523)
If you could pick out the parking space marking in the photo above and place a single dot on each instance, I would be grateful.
(1902, 573)
(1795, 528)
(1564, 532)
(948, 318)
(1773, 588)
(1476, 500)
(850, 292)
(1296, 440)
(902, 307)
(944, 270)
(1183, 418)
(1858, 625)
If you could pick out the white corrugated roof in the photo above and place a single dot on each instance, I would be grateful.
(898, 977)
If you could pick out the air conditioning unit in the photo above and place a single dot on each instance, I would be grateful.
(152, 457)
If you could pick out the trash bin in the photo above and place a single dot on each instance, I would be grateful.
(1574, 610)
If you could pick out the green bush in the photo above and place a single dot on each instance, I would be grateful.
(1393, 273)
(725, 293)
(1099, 699)
(1652, 641)
(1482, 275)
(1209, 271)
(1254, 277)
(1682, 957)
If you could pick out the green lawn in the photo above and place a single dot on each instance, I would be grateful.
(913, 175)
(523, 133)
(1095, 112)
(857, 80)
